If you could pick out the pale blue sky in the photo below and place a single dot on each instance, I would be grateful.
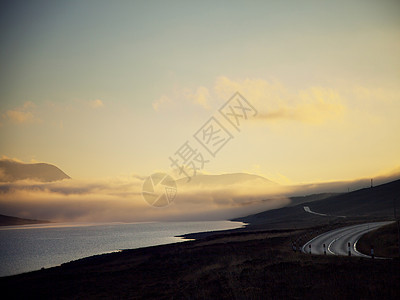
(62, 56)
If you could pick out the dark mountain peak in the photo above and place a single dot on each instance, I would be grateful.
(11, 170)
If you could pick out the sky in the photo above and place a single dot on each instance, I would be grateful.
(104, 89)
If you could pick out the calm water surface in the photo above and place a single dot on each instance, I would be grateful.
(31, 247)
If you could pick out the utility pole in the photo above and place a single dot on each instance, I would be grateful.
(371, 182)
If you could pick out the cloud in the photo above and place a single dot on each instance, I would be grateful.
(19, 116)
(201, 97)
(384, 96)
(96, 103)
(315, 105)
(275, 102)
(121, 200)
(3, 176)
(22, 114)
(162, 101)
(5, 157)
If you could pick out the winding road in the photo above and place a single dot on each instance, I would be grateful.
(337, 241)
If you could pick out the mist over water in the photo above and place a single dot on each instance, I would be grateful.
(31, 247)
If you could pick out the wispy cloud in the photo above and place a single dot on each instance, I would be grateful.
(162, 101)
(96, 103)
(22, 114)
(273, 100)
(121, 200)
(199, 96)
(314, 106)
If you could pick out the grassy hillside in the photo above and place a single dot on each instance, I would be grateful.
(384, 240)
(366, 204)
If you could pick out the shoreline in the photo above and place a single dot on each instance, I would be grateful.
(247, 228)
(141, 236)
(239, 264)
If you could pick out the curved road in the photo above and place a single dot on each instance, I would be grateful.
(336, 241)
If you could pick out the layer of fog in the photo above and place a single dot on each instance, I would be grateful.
(121, 200)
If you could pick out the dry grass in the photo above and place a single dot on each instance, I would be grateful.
(384, 240)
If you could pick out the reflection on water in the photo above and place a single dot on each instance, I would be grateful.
(30, 247)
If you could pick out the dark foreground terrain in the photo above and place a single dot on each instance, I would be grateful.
(241, 265)
(256, 262)
(385, 241)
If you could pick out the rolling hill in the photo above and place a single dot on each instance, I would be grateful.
(11, 170)
(368, 203)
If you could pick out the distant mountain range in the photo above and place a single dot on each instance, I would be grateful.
(331, 198)
(11, 170)
(296, 192)
(225, 180)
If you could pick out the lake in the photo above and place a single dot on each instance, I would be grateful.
(30, 247)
